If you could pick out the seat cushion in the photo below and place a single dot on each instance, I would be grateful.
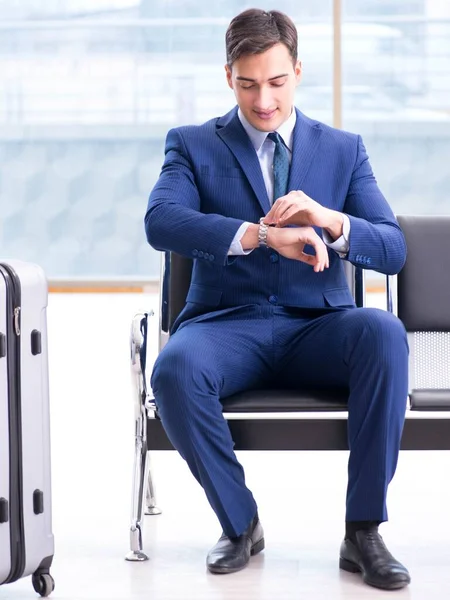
(432, 399)
(287, 401)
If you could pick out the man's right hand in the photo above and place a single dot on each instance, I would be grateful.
(291, 241)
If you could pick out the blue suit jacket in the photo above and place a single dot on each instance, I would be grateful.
(211, 182)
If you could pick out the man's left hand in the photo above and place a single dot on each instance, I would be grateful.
(296, 208)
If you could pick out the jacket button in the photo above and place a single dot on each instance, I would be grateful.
(369, 261)
(194, 252)
(274, 258)
(200, 254)
(206, 255)
(273, 299)
(211, 257)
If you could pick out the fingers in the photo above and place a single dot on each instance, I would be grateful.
(290, 209)
(322, 260)
(292, 216)
(277, 209)
(309, 259)
(290, 243)
(317, 261)
(276, 213)
(268, 219)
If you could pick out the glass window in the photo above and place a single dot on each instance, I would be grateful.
(396, 73)
(88, 91)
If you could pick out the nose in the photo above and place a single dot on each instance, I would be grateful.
(264, 100)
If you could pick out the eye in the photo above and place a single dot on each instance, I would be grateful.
(247, 87)
(278, 84)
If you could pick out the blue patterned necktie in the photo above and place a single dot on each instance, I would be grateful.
(280, 166)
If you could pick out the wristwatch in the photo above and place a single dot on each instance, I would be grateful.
(262, 233)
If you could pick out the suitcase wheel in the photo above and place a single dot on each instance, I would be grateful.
(43, 584)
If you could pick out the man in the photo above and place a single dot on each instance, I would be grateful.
(269, 203)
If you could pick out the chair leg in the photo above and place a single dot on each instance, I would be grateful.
(151, 508)
(136, 552)
(138, 347)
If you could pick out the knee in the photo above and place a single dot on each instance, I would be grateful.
(385, 325)
(380, 330)
(178, 372)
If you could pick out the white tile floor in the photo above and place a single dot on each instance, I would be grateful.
(300, 495)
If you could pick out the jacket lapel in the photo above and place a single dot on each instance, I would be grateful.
(305, 144)
(230, 130)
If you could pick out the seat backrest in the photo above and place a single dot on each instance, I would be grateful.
(424, 282)
(423, 298)
(176, 277)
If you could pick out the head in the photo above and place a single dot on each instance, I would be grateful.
(262, 66)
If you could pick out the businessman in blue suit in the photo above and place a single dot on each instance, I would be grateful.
(269, 203)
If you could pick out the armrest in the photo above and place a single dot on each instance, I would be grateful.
(391, 294)
(360, 287)
(138, 355)
(356, 282)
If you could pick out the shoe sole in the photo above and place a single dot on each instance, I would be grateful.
(351, 567)
(255, 549)
(258, 547)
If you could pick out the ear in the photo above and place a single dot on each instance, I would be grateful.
(229, 78)
(298, 72)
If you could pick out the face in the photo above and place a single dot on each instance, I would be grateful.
(264, 86)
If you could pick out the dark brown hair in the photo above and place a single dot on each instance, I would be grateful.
(254, 31)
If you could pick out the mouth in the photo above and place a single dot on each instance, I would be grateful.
(265, 115)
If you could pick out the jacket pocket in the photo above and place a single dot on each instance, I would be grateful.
(339, 297)
(201, 294)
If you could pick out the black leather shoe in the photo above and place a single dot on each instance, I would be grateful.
(368, 554)
(232, 554)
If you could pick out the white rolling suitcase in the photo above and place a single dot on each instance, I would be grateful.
(26, 538)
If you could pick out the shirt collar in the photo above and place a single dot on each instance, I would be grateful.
(285, 130)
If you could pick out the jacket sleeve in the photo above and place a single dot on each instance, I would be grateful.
(376, 240)
(174, 220)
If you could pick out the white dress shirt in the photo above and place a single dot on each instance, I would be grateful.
(265, 149)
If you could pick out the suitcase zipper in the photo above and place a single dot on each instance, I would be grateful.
(13, 298)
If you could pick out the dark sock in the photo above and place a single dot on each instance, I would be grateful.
(351, 527)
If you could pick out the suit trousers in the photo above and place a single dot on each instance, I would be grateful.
(227, 351)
